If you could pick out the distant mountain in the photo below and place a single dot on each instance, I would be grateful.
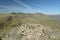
(55, 16)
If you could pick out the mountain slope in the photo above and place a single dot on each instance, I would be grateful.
(12, 26)
(36, 18)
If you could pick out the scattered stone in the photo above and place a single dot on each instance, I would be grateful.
(31, 32)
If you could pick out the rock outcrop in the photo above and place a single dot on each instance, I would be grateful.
(31, 32)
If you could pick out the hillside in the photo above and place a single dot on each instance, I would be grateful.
(9, 24)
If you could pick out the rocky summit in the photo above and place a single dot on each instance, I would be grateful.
(30, 32)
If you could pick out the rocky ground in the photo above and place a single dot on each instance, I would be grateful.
(30, 32)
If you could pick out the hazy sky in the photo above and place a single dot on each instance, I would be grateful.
(43, 6)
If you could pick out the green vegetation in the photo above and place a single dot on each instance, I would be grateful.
(8, 21)
(19, 18)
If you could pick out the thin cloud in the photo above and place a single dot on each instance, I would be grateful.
(23, 4)
(5, 6)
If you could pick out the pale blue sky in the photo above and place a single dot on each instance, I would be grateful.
(41, 6)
